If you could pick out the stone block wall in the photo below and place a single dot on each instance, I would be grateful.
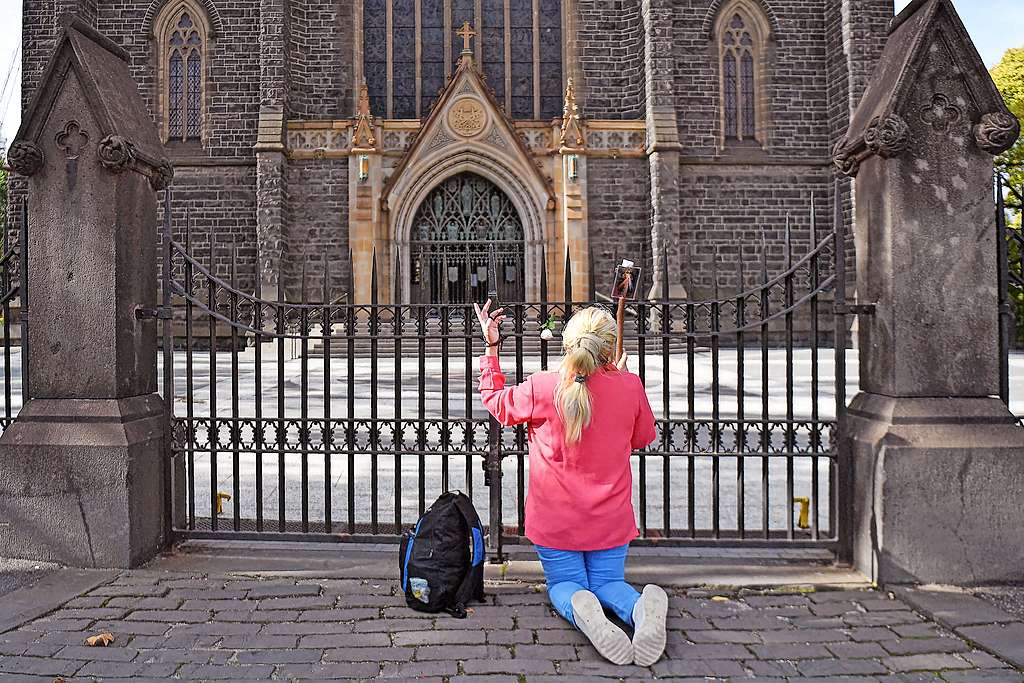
(618, 215)
(321, 54)
(610, 44)
(317, 206)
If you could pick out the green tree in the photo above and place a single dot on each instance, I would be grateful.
(1009, 78)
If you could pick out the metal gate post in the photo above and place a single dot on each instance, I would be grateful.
(842, 496)
(492, 462)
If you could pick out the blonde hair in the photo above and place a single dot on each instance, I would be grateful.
(589, 343)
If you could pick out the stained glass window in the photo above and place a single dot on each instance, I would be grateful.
(739, 46)
(184, 45)
(513, 43)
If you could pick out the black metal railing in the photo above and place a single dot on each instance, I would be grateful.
(1010, 259)
(376, 413)
(14, 308)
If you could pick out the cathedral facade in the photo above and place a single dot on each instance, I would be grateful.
(313, 138)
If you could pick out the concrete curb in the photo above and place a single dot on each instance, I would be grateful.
(973, 619)
(49, 593)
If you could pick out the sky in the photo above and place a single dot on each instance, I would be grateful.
(995, 25)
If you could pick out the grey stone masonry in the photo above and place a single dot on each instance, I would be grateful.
(186, 625)
(82, 465)
(938, 462)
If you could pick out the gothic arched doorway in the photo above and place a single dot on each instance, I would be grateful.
(457, 224)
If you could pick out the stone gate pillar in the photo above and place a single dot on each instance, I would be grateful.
(937, 460)
(82, 469)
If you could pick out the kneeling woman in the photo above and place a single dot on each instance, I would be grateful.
(584, 422)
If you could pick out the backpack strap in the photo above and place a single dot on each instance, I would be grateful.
(474, 530)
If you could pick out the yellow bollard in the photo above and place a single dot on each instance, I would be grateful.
(221, 497)
(805, 506)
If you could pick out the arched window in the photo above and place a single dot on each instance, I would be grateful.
(182, 34)
(742, 32)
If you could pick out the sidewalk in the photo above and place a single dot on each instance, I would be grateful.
(209, 615)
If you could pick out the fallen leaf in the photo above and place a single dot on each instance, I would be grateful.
(719, 598)
(100, 640)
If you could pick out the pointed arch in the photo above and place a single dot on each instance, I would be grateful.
(182, 38)
(742, 35)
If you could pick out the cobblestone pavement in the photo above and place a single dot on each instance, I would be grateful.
(171, 625)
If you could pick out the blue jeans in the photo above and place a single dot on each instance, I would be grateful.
(602, 572)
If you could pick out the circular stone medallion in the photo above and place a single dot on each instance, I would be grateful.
(467, 117)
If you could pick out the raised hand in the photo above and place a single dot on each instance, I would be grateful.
(490, 322)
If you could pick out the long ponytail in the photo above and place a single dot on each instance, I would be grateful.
(589, 341)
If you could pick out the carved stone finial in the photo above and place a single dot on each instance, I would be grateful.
(571, 135)
(887, 137)
(997, 132)
(116, 153)
(163, 175)
(363, 136)
(25, 158)
(845, 162)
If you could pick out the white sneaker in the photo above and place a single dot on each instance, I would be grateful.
(649, 615)
(608, 639)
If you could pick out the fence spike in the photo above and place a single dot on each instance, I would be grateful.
(351, 276)
(213, 251)
(396, 294)
(590, 274)
(373, 276)
(568, 284)
(544, 275)
(714, 274)
(327, 279)
(814, 224)
(188, 231)
(492, 274)
(739, 269)
(764, 258)
(691, 255)
(789, 242)
(234, 264)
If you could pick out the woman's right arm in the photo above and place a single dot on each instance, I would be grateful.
(509, 405)
(644, 431)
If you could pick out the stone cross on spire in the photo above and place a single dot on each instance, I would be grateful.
(467, 33)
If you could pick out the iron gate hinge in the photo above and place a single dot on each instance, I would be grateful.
(853, 309)
(153, 313)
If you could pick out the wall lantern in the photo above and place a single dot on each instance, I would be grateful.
(572, 162)
(364, 167)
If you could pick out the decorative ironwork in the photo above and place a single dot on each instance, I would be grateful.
(455, 226)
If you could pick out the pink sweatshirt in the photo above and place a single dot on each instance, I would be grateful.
(580, 495)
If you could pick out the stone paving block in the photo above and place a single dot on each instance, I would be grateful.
(206, 594)
(278, 656)
(554, 636)
(919, 630)
(983, 660)
(264, 617)
(258, 641)
(302, 603)
(714, 668)
(805, 635)
(320, 642)
(910, 677)
(136, 628)
(554, 652)
(370, 654)
(62, 637)
(717, 651)
(523, 636)
(355, 587)
(50, 625)
(376, 601)
(833, 608)
(599, 668)
(675, 623)
(881, 604)
(763, 669)
(394, 625)
(111, 653)
(218, 630)
(839, 679)
(225, 671)
(438, 637)
(818, 622)
(888, 618)
(126, 669)
(347, 614)
(176, 616)
(953, 609)
(984, 676)
(790, 651)
(464, 652)
(857, 650)
(184, 656)
(490, 678)
(840, 595)
(1006, 640)
(722, 636)
(87, 601)
(750, 622)
(929, 662)
(410, 670)
(306, 628)
(145, 603)
(130, 591)
(915, 646)
(872, 633)
(39, 666)
(259, 590)
(474, 622)
(218, 604)
(777, 600)
(840, 667)
(512, 666)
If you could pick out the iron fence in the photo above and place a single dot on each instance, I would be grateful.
(377, 413)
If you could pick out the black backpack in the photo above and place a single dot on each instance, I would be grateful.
(442, 559)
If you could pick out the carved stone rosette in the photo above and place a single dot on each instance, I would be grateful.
(116, 153)
(162, 175)
(997, 132)
(848, 164)
(25, 158)
(887, 137)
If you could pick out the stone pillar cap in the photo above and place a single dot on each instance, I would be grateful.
(879, 125)
(129, 139)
